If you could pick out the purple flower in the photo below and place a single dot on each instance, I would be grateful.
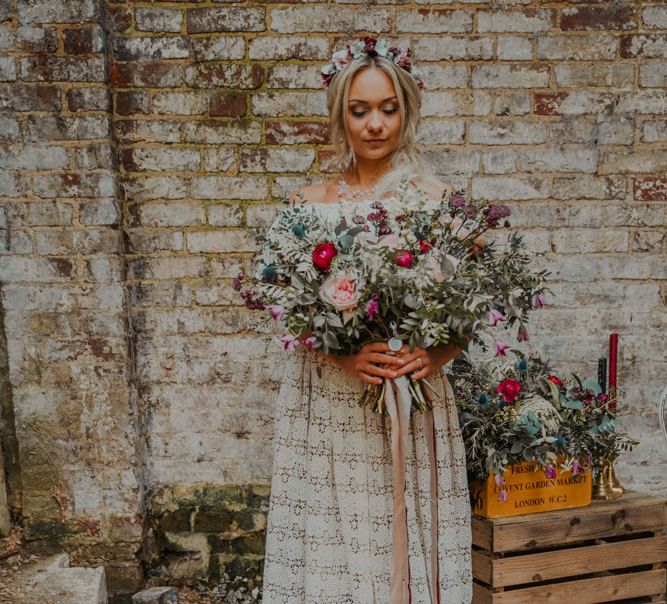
(372, 307)
(522, 336)
(458, 201)
(287, 341)
(550, 471)
(539, 301)
(500, 480)
(502, 496)
(308, 342)
(576, 468)
(275, 310)
(500, 348)
(495, 316)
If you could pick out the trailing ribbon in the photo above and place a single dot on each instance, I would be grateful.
(399, 403)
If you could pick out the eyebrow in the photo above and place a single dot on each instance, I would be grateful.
(391, 98)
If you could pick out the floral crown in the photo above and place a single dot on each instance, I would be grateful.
(372, 48)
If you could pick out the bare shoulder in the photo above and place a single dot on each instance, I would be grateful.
(321, 192)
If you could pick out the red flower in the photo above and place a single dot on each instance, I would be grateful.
(554, 380)
(509, 389)
(404, 258)
(323, 255)
(424, 246)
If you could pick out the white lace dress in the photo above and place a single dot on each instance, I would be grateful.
(329, 529)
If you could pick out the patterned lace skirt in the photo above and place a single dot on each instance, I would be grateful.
(329, 531)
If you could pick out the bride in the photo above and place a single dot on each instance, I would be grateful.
(347, 521)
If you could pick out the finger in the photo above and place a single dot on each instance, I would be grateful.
(409, 367)
(377, 357)
(421, 373)
(375, 347)
(375, 370)
(370, 379)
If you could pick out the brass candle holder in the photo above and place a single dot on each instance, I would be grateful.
(605, 484)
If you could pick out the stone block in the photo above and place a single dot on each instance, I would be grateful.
(156, 595)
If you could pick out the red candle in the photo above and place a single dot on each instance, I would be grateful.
(613, 358)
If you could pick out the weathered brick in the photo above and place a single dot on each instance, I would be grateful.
(214, 48)
(229, 187)
(607, 17)
(564, 158)
(218, 159)
(149, 73)
(57, 11)
(460, 48)
(159, 19)
(28, 39)
(62, 69)
(180, 103)
(455, 161)
(507, 187)
(526, 20)
(266, 159)
(150, 48)
(38, 270)
(22, 97)
(651, 46)
(654, 131)
(655, 16)
(155, 187)
(513, 103)
(372, 19)
(589, 240)
(205, 20)
(642, 101)
(88, 99)
(599, 74)
(648, 241)
(437, 131)
(99, 212)
(507, 132)
(166, 267)
(93, 156)
(271, 104)
(36, 157)
(275, 48)
(231, 75)
(311, 18)
(499, 161)
(7, 69)
(9, 129)
(141, 241)
(615, 130)
(158, 159)
(52, 128)
(172, 214)
(650, 189)
(515, 48)
(83, 41)
(96, 184)
(222, 132)
(573, 103)
(639, 161)
(227, 104)
(148, 131)
(653, 74)
(294, 76)
(433, 21)
(63, 243)
(588, 187)
(220, 241)
(582, 47)
(510, 76)
(443, 104)
(131, 102)
(11, 185)
(225, 216)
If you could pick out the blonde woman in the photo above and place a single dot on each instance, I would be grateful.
(339, 528)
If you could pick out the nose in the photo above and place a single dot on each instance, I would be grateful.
(374, 123)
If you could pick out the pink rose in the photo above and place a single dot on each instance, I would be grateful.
(323, 255)
(341, 292)
(404, 258)
(509, 389)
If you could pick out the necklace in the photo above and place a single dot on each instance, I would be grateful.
(345, 192)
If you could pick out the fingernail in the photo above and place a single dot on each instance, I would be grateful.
(393, 374)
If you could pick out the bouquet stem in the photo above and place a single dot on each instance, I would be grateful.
(374, 394)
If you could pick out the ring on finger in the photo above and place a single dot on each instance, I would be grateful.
(421, 363)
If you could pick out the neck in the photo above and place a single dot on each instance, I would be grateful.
(366, 173)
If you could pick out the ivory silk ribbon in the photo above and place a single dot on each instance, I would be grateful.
(398, 401)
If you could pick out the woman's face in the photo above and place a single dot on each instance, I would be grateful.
(373, 116)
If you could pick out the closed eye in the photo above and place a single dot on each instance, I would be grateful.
(360, 113)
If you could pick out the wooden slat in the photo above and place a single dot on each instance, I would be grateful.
(482, 566)
(589, 591)
(570, 562)
(482, 532)
(630, 514)
(481, 595)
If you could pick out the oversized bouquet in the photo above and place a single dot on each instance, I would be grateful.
(427, 274)
(515, 408)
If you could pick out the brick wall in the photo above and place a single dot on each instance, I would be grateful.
(125, 221)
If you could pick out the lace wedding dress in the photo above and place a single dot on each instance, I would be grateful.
(330, 530)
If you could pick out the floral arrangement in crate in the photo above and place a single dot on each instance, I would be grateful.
(516, 408)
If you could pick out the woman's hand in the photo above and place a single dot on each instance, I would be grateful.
(422, 362)
(367, 364)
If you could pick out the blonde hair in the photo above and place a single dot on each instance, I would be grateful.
(408, 160)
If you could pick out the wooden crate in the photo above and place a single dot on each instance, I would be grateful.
(609, 551)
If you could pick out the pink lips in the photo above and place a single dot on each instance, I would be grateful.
(375, 141)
